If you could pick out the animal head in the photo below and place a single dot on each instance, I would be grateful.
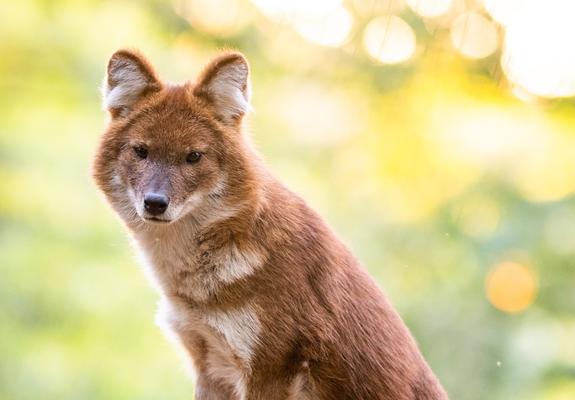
(172, 151)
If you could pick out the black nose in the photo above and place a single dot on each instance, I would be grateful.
(155, 203)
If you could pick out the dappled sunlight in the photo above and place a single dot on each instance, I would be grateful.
(545, 178)
(522, 147)
(326, 117)
(288, 11)
(326, 28)
(369, 8)
(503, 11)
(538, 53)
(389, 40)
(323, 22)
(430, 8)
(474, 35)
(218, 17)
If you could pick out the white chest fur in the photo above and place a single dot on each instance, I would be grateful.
(179, 271)
(230, 337)
(240, 328)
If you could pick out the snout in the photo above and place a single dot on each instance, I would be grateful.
(156, 204)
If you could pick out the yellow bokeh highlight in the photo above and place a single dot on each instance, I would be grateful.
(389, 40)
(537, 53)
(329, 121)
(365, 8)
(208, 15)
(328, 28)
(321, 22)
(503, 11)
(511, 287)
(474, 36)
(430, 8)
(287, 11)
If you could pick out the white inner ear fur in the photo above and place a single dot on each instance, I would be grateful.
(130, 83)
(230, 91)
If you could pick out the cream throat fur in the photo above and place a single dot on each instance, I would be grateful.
(195, 257)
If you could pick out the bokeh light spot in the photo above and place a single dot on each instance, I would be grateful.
(389, 40)
(330, 28)
(376, 7)
(538, 52)
(474, 35)
(287, 11)
(207, 15)
(430, 8)
(503, 11)
(327, 122)
(511, 287)
(323, 22)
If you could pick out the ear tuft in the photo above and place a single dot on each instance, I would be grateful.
(129, 78)
(225, 83)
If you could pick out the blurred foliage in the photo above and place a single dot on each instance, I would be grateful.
(433, 172)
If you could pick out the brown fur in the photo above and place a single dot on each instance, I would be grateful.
(264, 297)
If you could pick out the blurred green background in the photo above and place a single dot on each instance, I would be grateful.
(437, 136)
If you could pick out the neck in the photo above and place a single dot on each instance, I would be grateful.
(197, 256)
(227, 213)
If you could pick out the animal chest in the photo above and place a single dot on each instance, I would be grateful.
(221, 341)
(221, 344)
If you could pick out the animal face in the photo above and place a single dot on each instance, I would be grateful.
(170, 162)
(173, 151)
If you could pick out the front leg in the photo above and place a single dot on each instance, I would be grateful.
(186, 324)
(208, 386)
(210, 389)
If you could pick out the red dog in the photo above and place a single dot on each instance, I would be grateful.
(262, 294)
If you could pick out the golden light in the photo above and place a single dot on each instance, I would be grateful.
(389, 40)
(276, 9)
(324, 118)
(503, 11)
(527, 148)
(207, 15)
(565, 344)
(188, 56)
(538, 52)
(474, 35)
(545, 178)
(287, 11)
(511, 287)
(323, 22)
(490, 136)
(430, 8)
(327, 28)
(524, 95)
(376, 7)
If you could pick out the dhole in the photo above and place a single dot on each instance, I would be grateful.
(266, 300)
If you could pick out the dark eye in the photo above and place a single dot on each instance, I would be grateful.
(193, 157)
(141, 151)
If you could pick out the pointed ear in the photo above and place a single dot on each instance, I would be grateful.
(130, 77)
(225, 84)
